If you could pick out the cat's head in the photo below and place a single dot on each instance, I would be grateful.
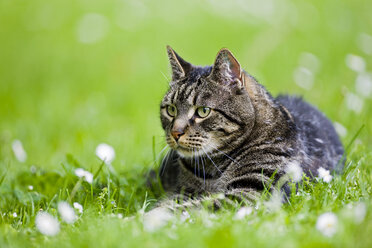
(206, 109)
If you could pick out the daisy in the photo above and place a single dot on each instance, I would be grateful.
(275, 201)
(324, 175)
(84, 174)
(92, 28)
(243, 212)
(47, 224)
(19, 151)
(105, 152)
(355, 63)
(360, 211)
(327, 224)
(294, 171)
(340, 129)
(156, 219)
(354, 102)
(78, 207)
(185, 216)
(67, 212)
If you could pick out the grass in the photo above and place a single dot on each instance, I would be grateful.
(62, 97)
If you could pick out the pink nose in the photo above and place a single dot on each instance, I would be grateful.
(177, 134)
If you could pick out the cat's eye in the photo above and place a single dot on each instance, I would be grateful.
(203, 112)
(172, 110)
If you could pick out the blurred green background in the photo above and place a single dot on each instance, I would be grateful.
(74, 74)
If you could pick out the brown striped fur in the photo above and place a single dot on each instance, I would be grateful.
(247, 137)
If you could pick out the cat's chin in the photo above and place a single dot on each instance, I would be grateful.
(189, 153)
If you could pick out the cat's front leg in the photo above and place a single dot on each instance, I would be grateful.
(213, 202)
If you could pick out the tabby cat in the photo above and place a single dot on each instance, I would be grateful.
(228, 135)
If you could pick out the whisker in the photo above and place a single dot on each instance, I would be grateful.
(158, 156)
(165, 147)
(192, 159)
(211, 160)
(224, 154)
(228, 144)
(202, 160)
(166, 78)
(167, 156)
(198, 166)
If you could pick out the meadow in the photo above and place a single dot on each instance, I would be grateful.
(78, 74)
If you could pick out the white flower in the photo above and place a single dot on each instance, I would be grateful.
(212, 216)
(364, 42)
(340, 129)
(355, 62)
(309, 61)
(294, 171)
(185, 216)
(242, 212)
(354, 102)
(88, 177)
(208, 219)
(84, 174)
(67, 212)
(80, 172)
(129, 11)
(92, 27)
(327, 224)
(156, 218)
(47, 224)
(363, 84)
(303, 77)
(275, 202)
(78, 207)
(30, 187)
(327, 178)
(15, 215)
(324, 175)
(322, 172)
(105, 152)
(19, 151)
(360, 211)
(220, 196)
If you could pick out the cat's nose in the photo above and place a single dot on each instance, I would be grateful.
(177, 134)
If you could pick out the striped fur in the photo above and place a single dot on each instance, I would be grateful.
(248, 137)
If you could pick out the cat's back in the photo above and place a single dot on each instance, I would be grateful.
(320, 142)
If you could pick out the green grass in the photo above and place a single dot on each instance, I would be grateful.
(61, 98)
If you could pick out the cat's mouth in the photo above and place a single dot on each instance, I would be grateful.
(189, 151)
(189, 146)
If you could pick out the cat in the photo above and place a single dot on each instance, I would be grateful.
(227, 135)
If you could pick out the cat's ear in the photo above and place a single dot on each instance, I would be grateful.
(226, 69)
(180, 68)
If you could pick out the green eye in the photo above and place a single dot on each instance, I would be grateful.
(203, 112)
(172, 110)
